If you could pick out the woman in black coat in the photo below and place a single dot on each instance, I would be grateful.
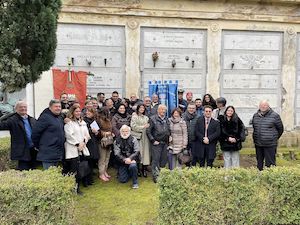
(93, 143)
(209, 100)
(232, 136)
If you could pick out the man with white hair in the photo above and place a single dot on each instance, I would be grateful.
(126, 149)
(159, 133)
(20, 127)
(267, 129)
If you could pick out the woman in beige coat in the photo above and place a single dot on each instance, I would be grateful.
(179, 138)
(139, 124)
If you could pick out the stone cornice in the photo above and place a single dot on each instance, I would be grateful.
(287, 11)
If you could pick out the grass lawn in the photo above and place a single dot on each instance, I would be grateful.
(113, 203)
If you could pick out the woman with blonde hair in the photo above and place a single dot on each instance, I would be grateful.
(77, 136)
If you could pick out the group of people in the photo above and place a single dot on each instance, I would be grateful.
(135, 135)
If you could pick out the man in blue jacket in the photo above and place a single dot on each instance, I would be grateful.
(48, 135)
(20, 128)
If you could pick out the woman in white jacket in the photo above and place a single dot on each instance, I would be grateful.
(77, 135)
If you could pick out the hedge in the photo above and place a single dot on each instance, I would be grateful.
(5, 162)
(238, 196)
(36, 197)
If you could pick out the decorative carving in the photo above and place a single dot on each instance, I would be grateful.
(132, 24)
(291, 31)
(215, 27)
(252, 60)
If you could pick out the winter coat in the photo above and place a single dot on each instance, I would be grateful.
(76, 132)
(179, 135)
(190, 120)
(93, 143)
(118, 121)
(267, 128)
(213, 134)
(49, 137)
(231, 128)
(126, 148)
(19, 146)
(159, 129)
(138, 131)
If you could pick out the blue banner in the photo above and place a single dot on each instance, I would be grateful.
(152, 88)
(172, 96)
(167, 93)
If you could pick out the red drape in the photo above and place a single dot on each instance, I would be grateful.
(74, 84)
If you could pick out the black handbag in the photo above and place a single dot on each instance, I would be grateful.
(184, 157)
(83, 169)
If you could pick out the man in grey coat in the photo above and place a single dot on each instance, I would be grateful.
(267, 129)
(159, 133)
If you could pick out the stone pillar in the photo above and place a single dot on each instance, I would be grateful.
(133, 78)
(288, 77)
(214, 40)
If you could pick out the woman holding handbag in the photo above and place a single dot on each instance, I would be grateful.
(106, 142)
(179, 138)
(77, 135)
(139, 124)
(93, 143)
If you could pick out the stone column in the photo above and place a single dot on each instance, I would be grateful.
(214, 40)
(133, 78)
(288, 77)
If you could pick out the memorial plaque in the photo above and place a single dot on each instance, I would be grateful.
(173, 37)
(98, 50)
(251, 69)
(185, 48)
(247, 61)
(252, 41)
(256, 81)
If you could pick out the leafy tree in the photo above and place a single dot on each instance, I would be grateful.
(27, 40)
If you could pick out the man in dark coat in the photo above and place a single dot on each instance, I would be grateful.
(127, 150)
(48, 135)
(190, 116)
(207, 133)
(267, 129)
(158, 133)
(20, 127)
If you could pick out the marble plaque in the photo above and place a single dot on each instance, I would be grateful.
(250, 81)
(173, 39)
(269, 42)
(165, 60)
(83, 57)
(247, 61)
(251, 100)
(75, 34)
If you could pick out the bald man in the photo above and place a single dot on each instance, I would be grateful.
(20, 127)
(267, 129)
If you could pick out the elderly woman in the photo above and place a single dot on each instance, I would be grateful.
(77, 136)
(139, 124)
(126, 148)
(179, 138)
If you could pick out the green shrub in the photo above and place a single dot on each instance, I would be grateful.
(238, 196)
(5, 162)
(36, 197)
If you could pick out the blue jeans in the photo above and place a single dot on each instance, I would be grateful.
(128, 171)
(46, 165)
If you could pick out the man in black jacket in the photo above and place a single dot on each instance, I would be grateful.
(158, 133)
(20, 127)
(48, 135)
(267, 129)
(207, 133)
(190, 116)
(126, 149)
